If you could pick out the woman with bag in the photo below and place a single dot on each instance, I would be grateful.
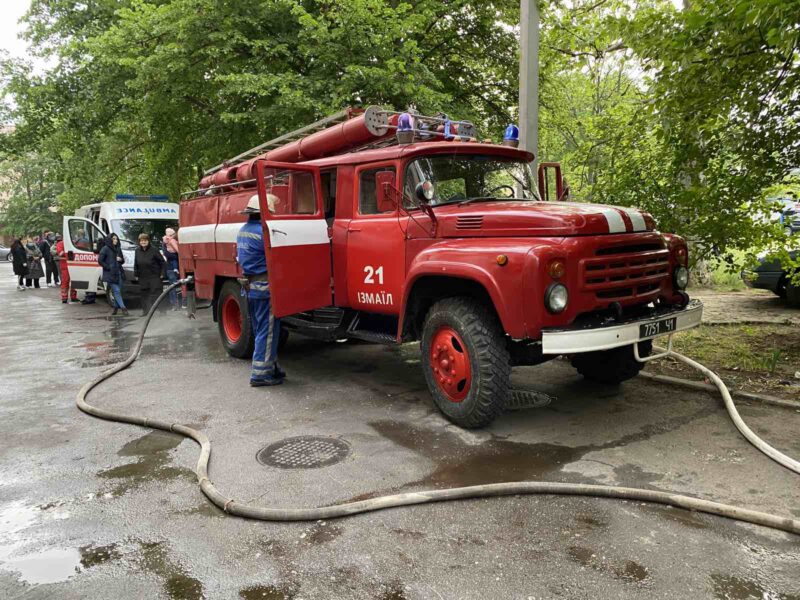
(35, 270)
(111, 259)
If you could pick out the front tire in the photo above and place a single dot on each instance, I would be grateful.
(233, 321)
(611, 366)
(465, 361)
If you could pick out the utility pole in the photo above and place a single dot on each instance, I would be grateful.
(529, 77)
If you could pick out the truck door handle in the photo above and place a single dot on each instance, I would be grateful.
(278, 231)
(354, 229)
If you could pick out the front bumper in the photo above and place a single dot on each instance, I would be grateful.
(606, 336)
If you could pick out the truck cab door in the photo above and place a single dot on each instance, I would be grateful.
(296, 238)
(80, 240)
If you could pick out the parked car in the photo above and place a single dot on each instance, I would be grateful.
(5, 253)
(788, 213)
(770, 275)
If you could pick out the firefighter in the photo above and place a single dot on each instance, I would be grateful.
(67, 292)
(266, 328)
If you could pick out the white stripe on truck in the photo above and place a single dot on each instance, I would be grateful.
(615, 222)
(226, 232)
(636, 219)
(197, 234)
(300, 232)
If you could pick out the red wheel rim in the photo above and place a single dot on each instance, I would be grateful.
(450, 364)
(231, 319)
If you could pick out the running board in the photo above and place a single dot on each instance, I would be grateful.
(375, 337)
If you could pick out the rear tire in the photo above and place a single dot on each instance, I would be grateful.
(611, 366)
(233, 321)
(465, 361)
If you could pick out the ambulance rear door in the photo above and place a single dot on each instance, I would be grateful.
(80, 240)
(296, 236)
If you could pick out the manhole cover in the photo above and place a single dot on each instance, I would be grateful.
(304, 452)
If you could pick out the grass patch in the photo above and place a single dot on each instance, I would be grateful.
(756, 358)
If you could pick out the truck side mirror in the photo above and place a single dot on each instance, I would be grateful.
(545, 191)
(384, 190)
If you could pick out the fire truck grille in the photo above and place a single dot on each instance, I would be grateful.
(626, 272)
(304, 452)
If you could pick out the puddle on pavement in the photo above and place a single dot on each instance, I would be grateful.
(48, 566)
(730, 587)
(629, 571)
(55, 565)
(267, 592)
(493, 461)
(177, 582)
(497, 460)
(153, 464)
(115, 344)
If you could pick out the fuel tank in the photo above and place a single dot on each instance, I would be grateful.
(538, 219)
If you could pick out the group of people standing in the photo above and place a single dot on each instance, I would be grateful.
(34, 259)
(149, 267)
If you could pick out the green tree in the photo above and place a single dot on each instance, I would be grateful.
(28, 181)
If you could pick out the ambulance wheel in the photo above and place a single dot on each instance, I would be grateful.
(233, 321)
(611, 366)
(465, 361)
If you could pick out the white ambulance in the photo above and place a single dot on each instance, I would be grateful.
(127, 215)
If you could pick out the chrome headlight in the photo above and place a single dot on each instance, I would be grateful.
(681, 277)
(556, 298)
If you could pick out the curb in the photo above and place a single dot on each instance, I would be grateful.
(707, 387)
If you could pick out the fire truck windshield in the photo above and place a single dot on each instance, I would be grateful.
(128, 230)
(461, 178)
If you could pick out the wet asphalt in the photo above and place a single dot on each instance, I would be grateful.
(93, 509)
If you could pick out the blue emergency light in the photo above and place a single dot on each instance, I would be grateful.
(405, 122)
(141, 198)
(511, 134)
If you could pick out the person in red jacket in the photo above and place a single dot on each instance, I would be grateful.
(61, 256)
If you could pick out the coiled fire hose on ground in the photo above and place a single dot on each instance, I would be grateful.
(266, 513)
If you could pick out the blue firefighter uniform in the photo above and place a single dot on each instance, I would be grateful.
(265, 327)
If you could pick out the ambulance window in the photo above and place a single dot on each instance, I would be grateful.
(83, 235)
(368, 190)
(104, 226)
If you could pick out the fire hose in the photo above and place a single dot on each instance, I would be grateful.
(267, 513)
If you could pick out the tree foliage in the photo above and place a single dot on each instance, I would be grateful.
(32, 186)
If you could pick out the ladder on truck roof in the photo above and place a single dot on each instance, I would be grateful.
(465, 128)
(287, 138)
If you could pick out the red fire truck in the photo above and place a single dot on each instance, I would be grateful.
(396, 227)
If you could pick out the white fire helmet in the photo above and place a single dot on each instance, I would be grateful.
(253, 207)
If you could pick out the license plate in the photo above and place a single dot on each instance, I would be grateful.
(649, 330)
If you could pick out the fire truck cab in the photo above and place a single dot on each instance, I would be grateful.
(438, 239)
